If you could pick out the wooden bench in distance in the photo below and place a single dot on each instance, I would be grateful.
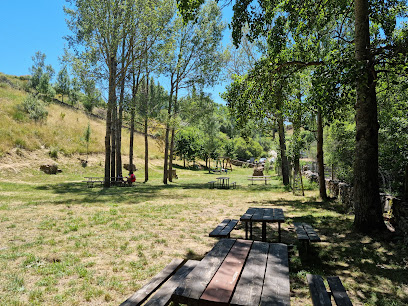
(233, 185)
(140, 296)
(306, 233)
(259, 178)
(212, 184)
(319, 294)
(224, 229)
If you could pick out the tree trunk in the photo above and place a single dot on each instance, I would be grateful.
(111, 101)
(367, 205)
(132, 133)
(146, 129)
(172, 137)
(282, 146)
(113, 140)
(406, 184)
(319, 157)
(119, 130)
(135, 86)
(166, 137)
(171, 154)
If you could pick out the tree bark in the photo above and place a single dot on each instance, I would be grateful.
(282, 146)
(367, 205)
(120, 116)
(406, 183)
(111, 101)
(319, 157)
(172, 134)
(135, 86)
(113, 140)
(146, 140)
(166, 137)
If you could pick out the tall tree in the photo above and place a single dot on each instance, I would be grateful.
(194, 59)
(305, 22)
(98, 29)
(63, 83)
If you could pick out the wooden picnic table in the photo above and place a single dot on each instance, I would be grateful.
(238, 272)
(265, 178)
(91, 180)
(223, 182)
(264, 215)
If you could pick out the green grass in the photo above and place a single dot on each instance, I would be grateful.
(64, 243)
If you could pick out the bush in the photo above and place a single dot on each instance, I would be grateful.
(34, 108)
(54, 152)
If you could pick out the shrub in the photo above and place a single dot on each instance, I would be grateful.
(20, 143)
(54, 152)
(34, 108)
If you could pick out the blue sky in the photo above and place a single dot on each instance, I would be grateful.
(29, 26)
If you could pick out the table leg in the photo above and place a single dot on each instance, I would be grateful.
(250, 230)
(279, 231)
(246, 230)
(264, 231)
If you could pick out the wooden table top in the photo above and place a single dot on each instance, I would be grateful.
(238, 272)
(263, 214)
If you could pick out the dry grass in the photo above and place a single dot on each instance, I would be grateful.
(63, 243)
(63, 131)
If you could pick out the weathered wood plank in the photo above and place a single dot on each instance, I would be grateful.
(143, 293)
(219, 228)
(227, 230)
(163, 295)
(278, 214)
(317, 289)
(338, 291)
(276, 289)
(249, 288)
(189, 291)
(268, 214)
(248, 214)
(311, 233)
(221, 287)
(258, 215)
(300, 231)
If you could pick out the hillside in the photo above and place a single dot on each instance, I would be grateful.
(62, 131)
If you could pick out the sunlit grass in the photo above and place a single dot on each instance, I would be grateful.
(64, 243)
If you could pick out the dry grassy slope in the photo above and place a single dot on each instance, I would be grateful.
(63, 130)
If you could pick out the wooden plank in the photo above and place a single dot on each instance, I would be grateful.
(278, 215)
(143, 293)
(268, 214)
(189, 291)
(221, 287)
(258, 215)
(311, 233)
(300, 231)
(227, 230)
(248, 215)
(338, 291)
(219, 228)
(163, 295)
(249, 287)
(276, 288)
(318, 292)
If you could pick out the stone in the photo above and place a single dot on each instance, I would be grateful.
(50, 169)
(258, 171)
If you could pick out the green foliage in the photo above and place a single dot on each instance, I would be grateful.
(54, 152)
(339, 148)
(188, 143)
(245, 149)
(63, 83)
(35, 108)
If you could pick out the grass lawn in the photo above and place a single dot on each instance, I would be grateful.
(64, 243)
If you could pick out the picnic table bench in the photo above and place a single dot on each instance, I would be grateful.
(167, 280)
(264, 215)
(238, 272)
(306, 233)
(264, 178)
(224, 229)
(320, 297)
(92, 180)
